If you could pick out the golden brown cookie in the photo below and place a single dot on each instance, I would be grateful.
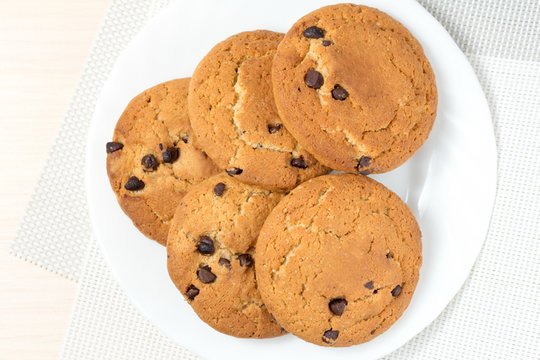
(210, 255)
(153, 161)
(337, 260)
(234, 117)
(354, 88)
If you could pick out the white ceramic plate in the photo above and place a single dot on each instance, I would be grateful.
(449, 184)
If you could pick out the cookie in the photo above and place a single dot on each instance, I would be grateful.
(337, 260)
(354, 88)
(233, 114)
(152, 160)
(210, 255)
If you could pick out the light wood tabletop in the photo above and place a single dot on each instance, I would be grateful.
(43, 47)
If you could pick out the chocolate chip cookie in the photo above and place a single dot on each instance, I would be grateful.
(234, 117)
(354, 88)
(210, 255)
(337, 260)
(153, 159)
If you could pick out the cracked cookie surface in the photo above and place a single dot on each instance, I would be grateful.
(210, 255)
(354, 88)
(234, 117)
(153, 160)
(337, 260)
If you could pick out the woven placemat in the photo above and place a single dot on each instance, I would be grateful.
(495, 316)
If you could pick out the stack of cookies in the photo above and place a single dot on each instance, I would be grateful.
(229, 169)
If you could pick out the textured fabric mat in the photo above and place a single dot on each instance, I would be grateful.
(496, 315)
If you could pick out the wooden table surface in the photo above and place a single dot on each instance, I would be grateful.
(43, 47)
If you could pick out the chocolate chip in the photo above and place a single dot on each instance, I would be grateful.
(314, 79)
(375, 291)
(326, 43)
(330, 336)
(313, 32)
(205, 245)
(396, 291)
(372, 332)
(113, 146)
(339, 93)
(134, 184)
(170, 154)
(206, 275)
(369, 285)
(191, 292)
(234, 171)
(299, 162)
(365, 172)
(363, 162)
(272, 129)
(389, 256)
(160, 146)
(219, 189)
(337, 306)
(225, 262)
(149, 162)
(245, 260)
(185, 140)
